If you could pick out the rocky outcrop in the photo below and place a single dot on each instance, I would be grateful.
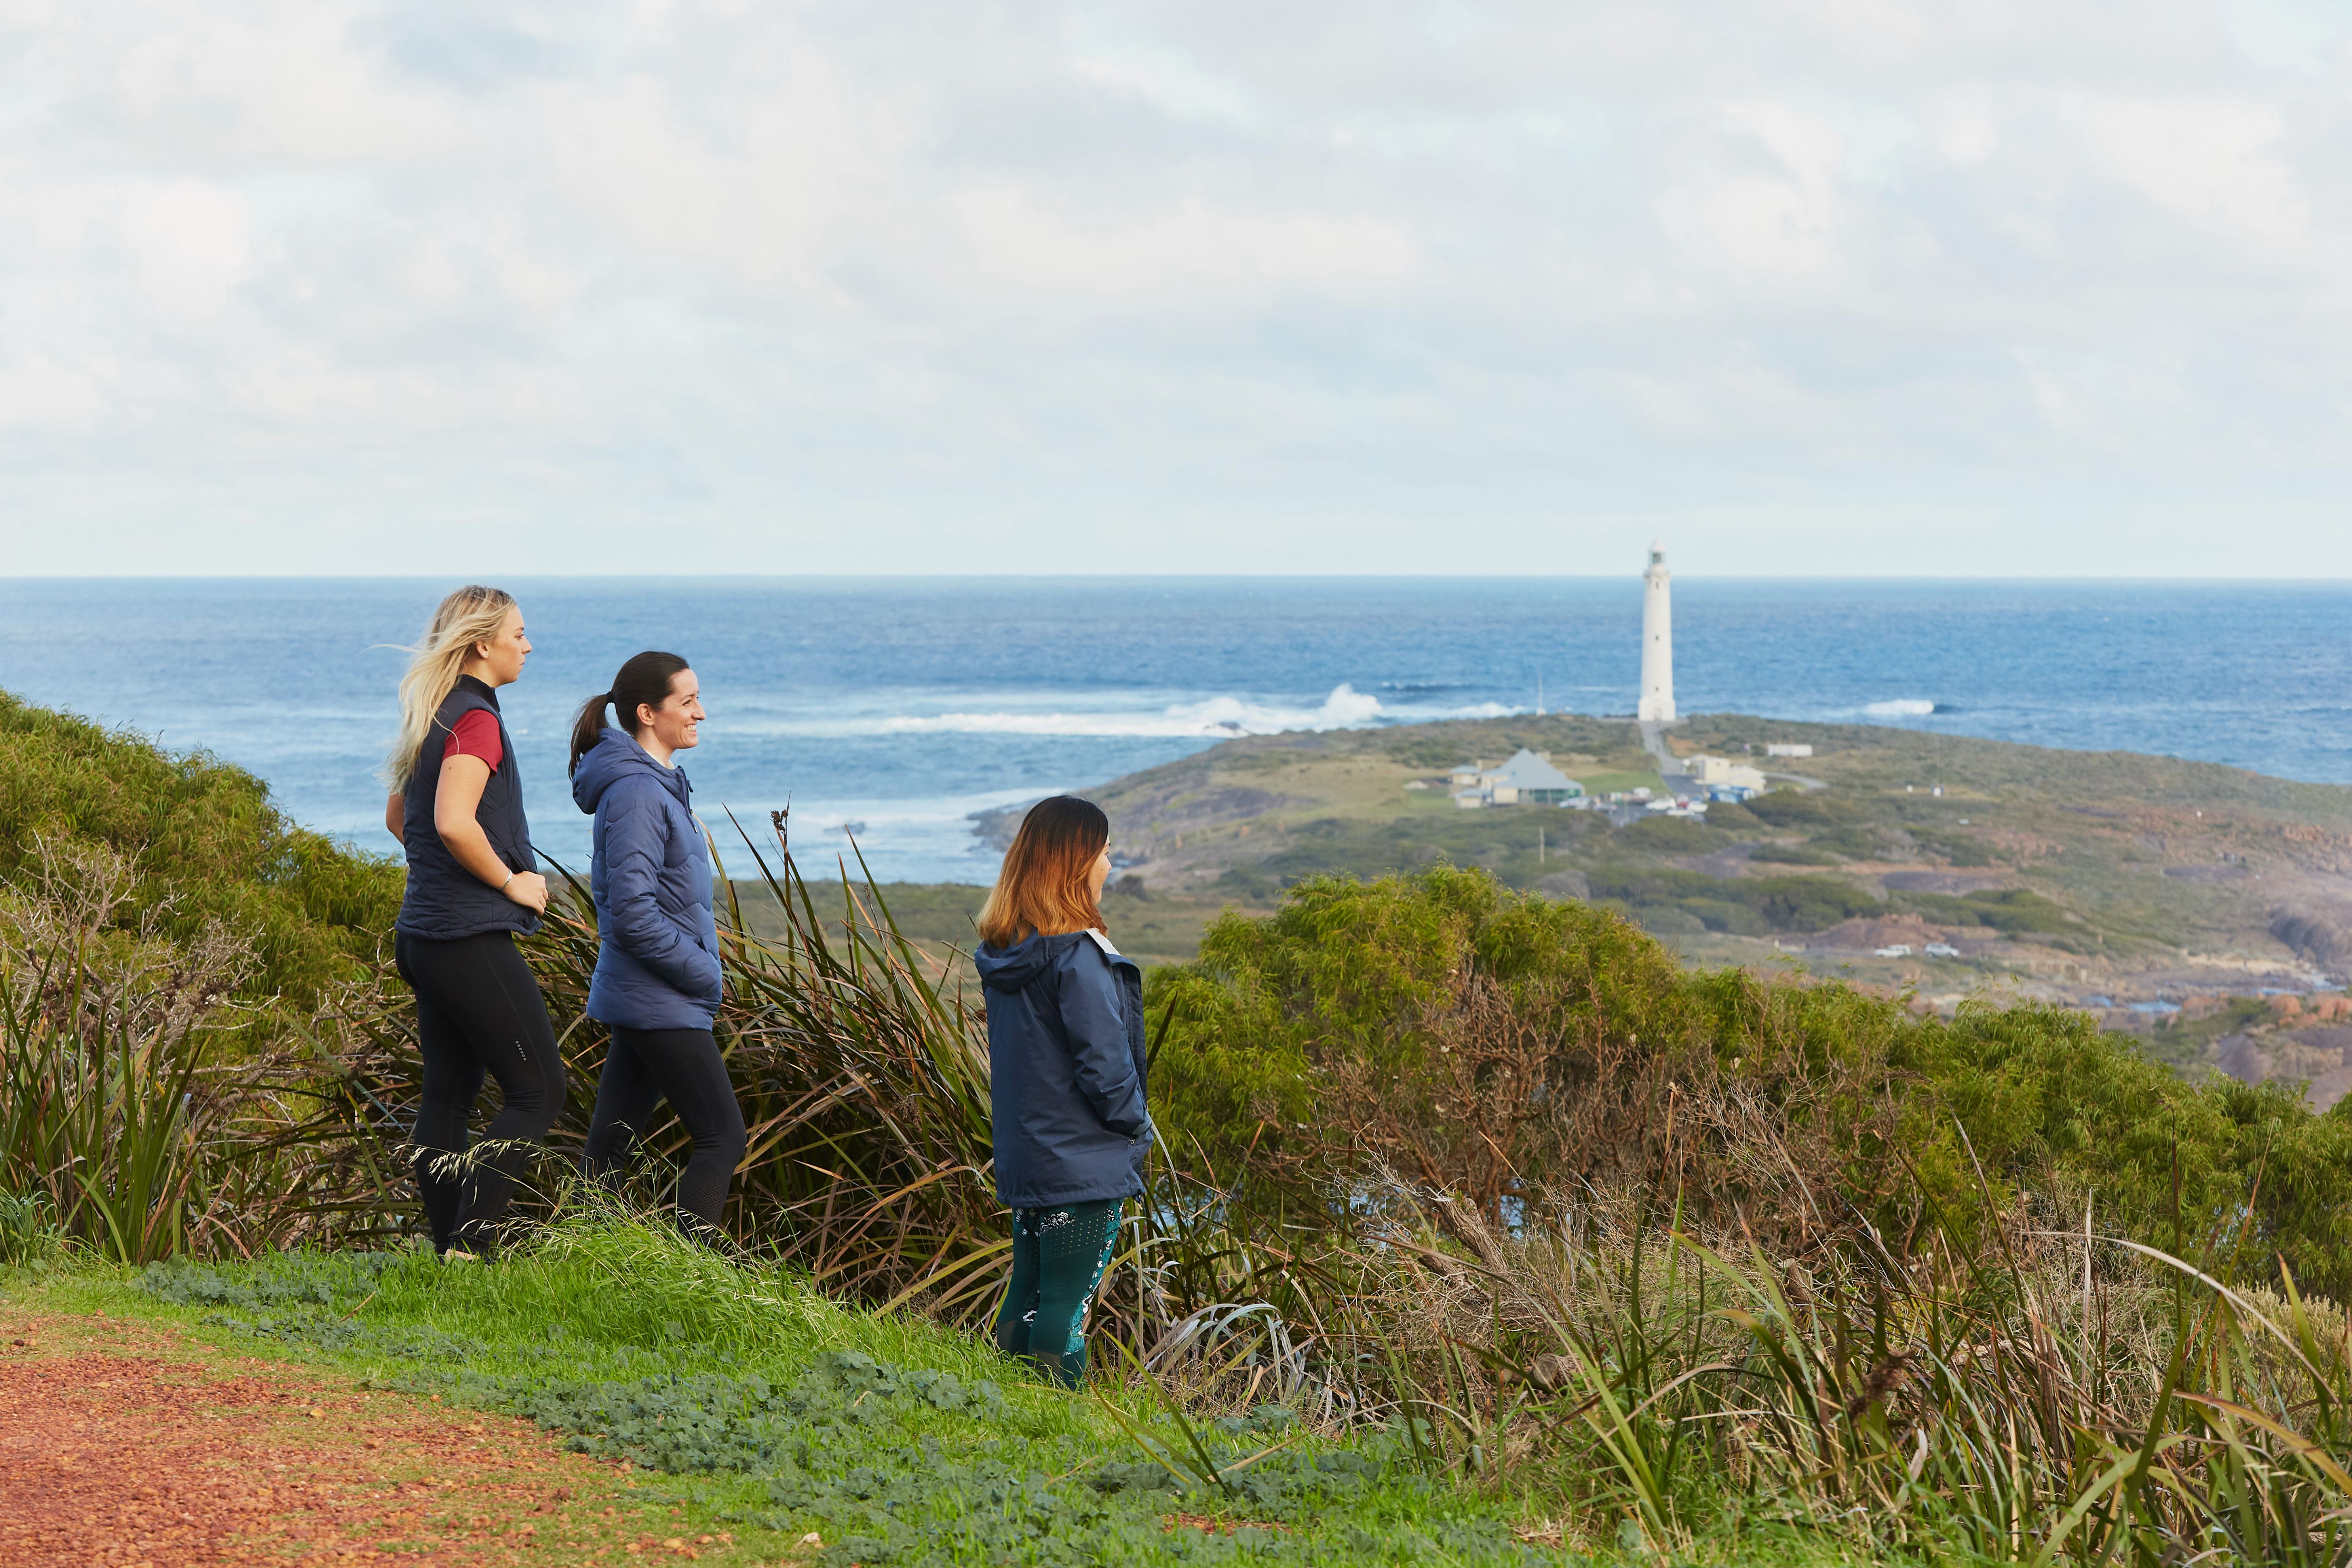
(2320, 932)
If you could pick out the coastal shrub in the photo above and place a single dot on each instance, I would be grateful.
(1958, 848)
(1801, 808)
(1497, 1045)
(1791, 855)
(1863, 841)
(1662, 834)
(207, 844)
(2012, 912)
(1779, 903)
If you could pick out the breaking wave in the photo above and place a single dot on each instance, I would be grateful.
(1345, 709)
(1900, 708)
(1214, 718)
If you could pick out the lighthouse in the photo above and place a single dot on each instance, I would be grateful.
(1657, 702)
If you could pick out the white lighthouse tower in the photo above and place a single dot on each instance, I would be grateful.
(1657, 704)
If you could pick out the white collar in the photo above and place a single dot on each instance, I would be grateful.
(1104, 943)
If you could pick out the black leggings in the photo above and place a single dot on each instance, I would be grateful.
(478, 1012)
(683, 1066)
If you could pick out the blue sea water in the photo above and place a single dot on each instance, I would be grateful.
(908, 704)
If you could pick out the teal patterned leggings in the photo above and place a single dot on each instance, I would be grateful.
(1059, 1259)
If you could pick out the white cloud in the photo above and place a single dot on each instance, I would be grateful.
(417, 284)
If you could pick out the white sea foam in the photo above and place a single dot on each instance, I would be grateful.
(1900, 708)
(1215, 718)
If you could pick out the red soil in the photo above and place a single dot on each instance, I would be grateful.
(120, 1447)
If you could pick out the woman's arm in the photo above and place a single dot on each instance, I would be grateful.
(463, 779)
(396, 816)
(1088, 993)
(636, 842)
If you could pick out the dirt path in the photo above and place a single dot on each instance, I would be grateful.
(119, 1446)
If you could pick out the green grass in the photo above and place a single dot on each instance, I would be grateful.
(771, 1410)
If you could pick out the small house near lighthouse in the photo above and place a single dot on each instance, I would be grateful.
(1657, 703)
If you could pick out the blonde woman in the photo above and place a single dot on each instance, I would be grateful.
(1067, 1062)
(473, 883)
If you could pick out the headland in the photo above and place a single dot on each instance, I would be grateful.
(2204, 908)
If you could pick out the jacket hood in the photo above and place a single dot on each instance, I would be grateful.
(613, 758)
(1012, 968)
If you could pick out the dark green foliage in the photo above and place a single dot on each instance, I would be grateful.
(1426, 752)
(1730, 816)
(1804, 809)
(207, 844)
(1793, 855)
(1859, 842)
(292, 1280)
(1662, 834)
(1779, 903)
(712, 1422)
(1958, 848)
(2012, 912)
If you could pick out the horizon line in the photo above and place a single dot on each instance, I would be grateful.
(2200, 579)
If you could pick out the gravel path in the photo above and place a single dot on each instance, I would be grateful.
(121, 1446)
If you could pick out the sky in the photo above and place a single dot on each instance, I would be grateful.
(1803, 287)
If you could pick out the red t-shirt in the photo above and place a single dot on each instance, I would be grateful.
(477, 735)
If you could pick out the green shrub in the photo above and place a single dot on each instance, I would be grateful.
(1793, 855)
(1802, 808)
(1414, 1019)
(1662, 835)
(2012, 912)
(207, 845)
(1778, 903)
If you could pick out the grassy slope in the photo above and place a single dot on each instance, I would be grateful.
(774, 1412)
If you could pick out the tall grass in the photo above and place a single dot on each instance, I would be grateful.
(2050, 1393)
(131, 1104)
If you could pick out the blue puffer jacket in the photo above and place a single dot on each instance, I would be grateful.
(657, 937)
(1065, 1070)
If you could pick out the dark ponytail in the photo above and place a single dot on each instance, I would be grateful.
(646, 678)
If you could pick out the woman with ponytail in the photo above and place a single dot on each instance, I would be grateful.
(1065, 1077)
(657, 982)
(473, 882)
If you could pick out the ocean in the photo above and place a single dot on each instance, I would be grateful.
(908, 704)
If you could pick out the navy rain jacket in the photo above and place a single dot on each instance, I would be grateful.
(1065, 1070)
(657, 936)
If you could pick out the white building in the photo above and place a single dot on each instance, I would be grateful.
(1788, 749)
(1657, 641)
(1528, 779)
(1723, 772)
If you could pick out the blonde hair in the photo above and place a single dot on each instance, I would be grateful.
(1042, 886)
(472, 615)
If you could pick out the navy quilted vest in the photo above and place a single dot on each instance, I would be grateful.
(444, 899)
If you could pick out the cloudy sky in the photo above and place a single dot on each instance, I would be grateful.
(1800, 286)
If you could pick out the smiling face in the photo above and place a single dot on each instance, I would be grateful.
(677, 723)
(498, 660)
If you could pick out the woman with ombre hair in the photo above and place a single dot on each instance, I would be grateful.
(473, 882)
(1066, 1088)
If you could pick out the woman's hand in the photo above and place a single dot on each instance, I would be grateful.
(529, 889)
